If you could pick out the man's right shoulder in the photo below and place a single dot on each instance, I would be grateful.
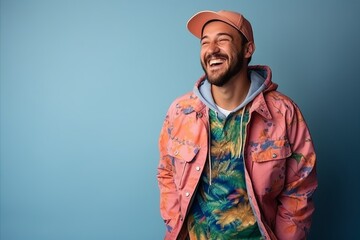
(186, 103)
(185, 99)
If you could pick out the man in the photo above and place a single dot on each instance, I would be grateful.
(236, 156)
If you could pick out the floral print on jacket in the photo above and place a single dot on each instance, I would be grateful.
(279, 158)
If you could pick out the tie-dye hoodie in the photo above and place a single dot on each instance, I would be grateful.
(279, 160)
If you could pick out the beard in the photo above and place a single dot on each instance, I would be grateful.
(224, 77)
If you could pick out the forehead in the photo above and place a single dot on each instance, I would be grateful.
(218, 27)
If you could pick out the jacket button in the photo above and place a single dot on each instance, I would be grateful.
(274, 155)
(187, 194)
(197, 168)
(176, 152)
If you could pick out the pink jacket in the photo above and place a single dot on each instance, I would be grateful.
(279, 157)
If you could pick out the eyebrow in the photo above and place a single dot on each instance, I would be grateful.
(218, 35)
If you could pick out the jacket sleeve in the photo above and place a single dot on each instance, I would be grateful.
(296, 207)
(169, 204)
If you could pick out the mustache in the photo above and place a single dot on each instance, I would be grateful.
(216, 55)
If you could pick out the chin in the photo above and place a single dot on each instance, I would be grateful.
(219, 81)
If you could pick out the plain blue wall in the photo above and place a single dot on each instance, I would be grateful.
(85, 86)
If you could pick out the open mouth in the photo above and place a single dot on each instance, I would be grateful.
(216, 62)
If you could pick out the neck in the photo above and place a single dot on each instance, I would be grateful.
(233, 93)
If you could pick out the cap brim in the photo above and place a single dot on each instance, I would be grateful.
(197, 22)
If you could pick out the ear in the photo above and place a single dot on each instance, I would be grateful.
(249, 49)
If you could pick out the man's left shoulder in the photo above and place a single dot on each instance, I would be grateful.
(278, 97)
(279, 102)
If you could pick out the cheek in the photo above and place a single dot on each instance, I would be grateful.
(202, 56)
(202, 53)
(234, 55)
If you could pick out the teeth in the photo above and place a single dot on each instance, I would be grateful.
(215, 61)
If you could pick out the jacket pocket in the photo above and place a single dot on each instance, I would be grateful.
(270, 150)
(268, 167)
(182, 154)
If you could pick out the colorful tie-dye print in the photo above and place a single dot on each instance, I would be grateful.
(221, 210)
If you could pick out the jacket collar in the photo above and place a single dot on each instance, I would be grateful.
(259, 105)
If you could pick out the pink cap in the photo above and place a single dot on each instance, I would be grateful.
(197, 22)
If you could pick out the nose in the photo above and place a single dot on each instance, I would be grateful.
(213, 47)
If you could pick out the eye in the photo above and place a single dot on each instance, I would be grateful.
(204, 42)
(223, 39)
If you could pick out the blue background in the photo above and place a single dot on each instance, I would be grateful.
(85, 86)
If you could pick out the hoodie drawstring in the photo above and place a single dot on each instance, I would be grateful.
(241, 148)
(210, 166)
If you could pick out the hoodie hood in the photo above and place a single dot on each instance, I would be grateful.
(260, 77)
